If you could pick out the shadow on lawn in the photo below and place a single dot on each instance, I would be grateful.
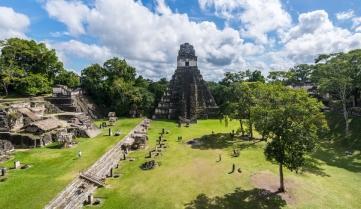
(335, 157)
(245, 199)
(314, 166)
(223, 140)
(334, 152)
(215, 141)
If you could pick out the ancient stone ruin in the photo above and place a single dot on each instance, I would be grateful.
(35, 122)
(5, 149)
(73, 100)
(112, 118)
(187, 98)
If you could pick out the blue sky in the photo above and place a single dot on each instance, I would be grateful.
(228, 35)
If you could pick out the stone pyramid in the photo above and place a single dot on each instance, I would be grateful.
(187, 97)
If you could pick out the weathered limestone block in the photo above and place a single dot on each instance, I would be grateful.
(17, 164)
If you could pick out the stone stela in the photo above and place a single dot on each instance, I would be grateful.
(187, 97)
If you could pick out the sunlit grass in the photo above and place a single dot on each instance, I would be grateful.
(52, 169)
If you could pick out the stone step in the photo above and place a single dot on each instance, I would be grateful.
(92, 179)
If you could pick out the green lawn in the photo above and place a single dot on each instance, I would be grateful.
(191, 178)
(52, 169)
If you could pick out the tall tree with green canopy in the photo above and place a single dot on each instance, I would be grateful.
(300, 73)
(30, 68)
(291, 121)
(30, 56)
(282, 77)
(115, 85)
(68, 78)
(254, 76)
(337, 75)
(242, 99)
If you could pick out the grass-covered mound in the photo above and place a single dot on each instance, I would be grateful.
(192, 177)
(51, 169)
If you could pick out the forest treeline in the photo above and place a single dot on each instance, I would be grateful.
(28, 68)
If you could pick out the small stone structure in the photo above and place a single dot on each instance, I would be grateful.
(187, 96)
(112, 118)
(17, 164)
(6, 148)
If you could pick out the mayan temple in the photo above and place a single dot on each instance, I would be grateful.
(187, 98)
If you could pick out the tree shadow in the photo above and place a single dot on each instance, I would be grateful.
(313, 166)
(214, 141)
(338, 150)
(245, 199)
(248, 144)
(337, 157)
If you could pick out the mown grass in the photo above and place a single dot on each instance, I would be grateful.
(189, 177)
(52, 169)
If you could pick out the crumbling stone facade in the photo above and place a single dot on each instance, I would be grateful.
(187, 97)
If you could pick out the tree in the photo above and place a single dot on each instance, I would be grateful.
(255, 76)
(230, 77)
(279, 77)
(68, 78)
(25, 62)
(157, 89)
(30, 56)
(337, 75)
(33, 85)
(116, 86)
(291, 121)
(300, 73)
(242, 99)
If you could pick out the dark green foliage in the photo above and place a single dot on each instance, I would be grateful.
(29, 68)
(157, 89)
(33, 84)
(68, 78)
(291, 120)
(339, 75)
(115, 85)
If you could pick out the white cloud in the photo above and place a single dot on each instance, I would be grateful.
(150, 40)
(12, 24)
(356, 24)
(162, 8)
(72, 13)
(69, 49)
(257, 17)
(315, 34)
(345, 15)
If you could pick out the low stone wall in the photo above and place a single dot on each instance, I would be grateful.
(83, 186)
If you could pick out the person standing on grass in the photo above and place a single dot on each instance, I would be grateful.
(79, 154)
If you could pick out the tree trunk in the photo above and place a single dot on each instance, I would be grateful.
(250, 125)
(251, 129)
(242, 129)
(5, 89)
(282, 185)
(345, 115)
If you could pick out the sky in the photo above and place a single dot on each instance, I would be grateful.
(228, 35)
